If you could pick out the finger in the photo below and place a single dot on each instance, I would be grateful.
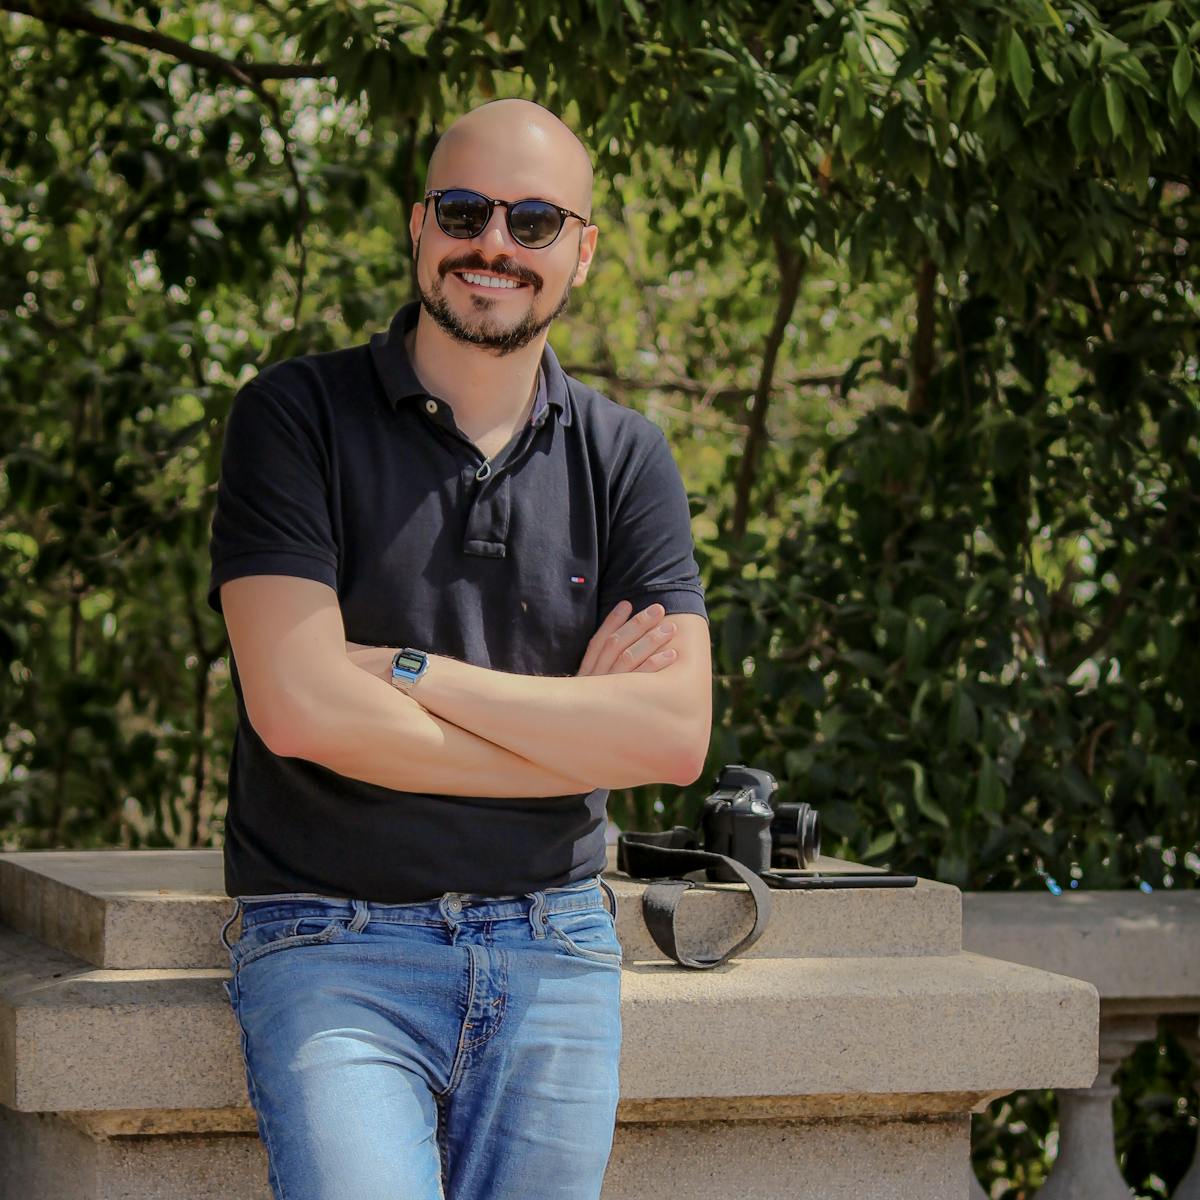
(613, 622)
(613, 651)
(611, 646)
(650, 643)
(656, 662)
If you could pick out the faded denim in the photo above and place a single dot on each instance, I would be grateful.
(463, 1048)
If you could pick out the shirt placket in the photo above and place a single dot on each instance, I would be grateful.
(486, 484)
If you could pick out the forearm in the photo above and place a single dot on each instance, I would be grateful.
(620, 730)
(362, 727)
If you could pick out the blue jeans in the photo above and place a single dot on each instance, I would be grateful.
(463, 1048)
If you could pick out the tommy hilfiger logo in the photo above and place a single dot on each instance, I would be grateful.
(577, 579)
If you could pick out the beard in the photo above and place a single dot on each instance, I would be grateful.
(486, 333)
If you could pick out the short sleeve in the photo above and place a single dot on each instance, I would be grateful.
(272, 514)
(650, 549)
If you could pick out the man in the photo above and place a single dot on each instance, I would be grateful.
(427, 978)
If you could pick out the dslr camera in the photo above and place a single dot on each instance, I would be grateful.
(742, 820)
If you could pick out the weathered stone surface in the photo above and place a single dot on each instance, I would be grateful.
(755, 1160)
(132, 909)
(1141, 951)
(118, 908)
(769, 1160)
(83, 1038)
(43, 1157)
(840, 1057)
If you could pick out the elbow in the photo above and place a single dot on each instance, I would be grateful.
(685, 769)
(284, 733)
(282, 740)
(685, 764)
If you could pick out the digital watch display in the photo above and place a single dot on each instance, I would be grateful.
(408, 666)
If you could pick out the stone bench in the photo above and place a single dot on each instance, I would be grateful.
(842, 1057)
(1142, 954)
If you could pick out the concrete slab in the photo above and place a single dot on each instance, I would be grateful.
(118, 908)
(800, 1161)
(1139, 950)
(76, 1037)
(45, 1158)
(140, 909)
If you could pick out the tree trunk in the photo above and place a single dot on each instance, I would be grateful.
(922, 346)
(791, 270)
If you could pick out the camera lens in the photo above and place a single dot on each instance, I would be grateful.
(796, 831)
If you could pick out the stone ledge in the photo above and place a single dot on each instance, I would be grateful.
(1141, 952)
(158, 909)
(45, 1158)
(73, 1037)
(140, 1122)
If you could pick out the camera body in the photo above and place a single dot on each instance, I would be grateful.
(740, 820)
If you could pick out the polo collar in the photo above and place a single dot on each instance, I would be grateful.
(400, 382)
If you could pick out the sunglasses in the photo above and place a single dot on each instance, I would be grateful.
(534, 224)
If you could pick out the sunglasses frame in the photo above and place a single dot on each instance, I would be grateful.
(563, 213)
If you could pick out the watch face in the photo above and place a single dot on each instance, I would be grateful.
(409, 662)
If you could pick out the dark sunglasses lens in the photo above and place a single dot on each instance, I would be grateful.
(534, 223)
(462, 214)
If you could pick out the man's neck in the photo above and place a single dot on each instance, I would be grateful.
(485, 391)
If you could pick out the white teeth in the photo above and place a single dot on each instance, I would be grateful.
(489, 280)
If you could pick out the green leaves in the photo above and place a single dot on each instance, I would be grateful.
(962, 631)
(1020, 68)
(1114, 104)
(1181, 71)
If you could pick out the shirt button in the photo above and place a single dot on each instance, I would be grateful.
(431, 406)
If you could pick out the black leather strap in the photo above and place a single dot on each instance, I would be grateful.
(654, 855)
(663, 857)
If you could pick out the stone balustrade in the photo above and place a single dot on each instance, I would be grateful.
(841, 1057)
(1142, 953)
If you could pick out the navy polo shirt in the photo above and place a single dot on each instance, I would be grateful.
(340, 467)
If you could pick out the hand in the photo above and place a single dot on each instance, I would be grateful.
(624, 643)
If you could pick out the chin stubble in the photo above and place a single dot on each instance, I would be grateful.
(486, 335)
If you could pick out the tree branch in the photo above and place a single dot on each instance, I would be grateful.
(246, 73)
(823, 377)
(791, 268)
(922, 346)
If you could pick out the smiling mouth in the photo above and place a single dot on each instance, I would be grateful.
(484, 279)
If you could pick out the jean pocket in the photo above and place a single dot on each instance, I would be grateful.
(587, 933)
(260, 938)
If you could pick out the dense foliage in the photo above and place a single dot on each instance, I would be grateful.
(910, 285)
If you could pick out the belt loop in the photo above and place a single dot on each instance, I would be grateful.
(362, 914)
(537, 914)
(237, 908)
(612, 896)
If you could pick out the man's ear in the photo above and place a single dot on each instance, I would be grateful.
(587, 249)
(416, 222)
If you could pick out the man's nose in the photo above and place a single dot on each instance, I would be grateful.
(494, 237)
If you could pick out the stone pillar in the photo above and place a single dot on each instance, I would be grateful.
(1189, 1185)
(840, 1058)
(1086, 1166)
(974, 1187)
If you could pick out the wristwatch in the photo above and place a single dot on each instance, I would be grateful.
(408, 665)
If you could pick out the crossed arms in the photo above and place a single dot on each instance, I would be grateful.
(467, 730)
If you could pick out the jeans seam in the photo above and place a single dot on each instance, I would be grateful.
(276, 1179)
(501, 1009)
(586, 952)
(460, 1051)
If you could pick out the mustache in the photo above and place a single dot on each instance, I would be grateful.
(499, 266)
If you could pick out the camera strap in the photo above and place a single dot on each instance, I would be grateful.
(662, 857)
(656, 855)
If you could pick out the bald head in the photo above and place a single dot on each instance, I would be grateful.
(518, 148)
